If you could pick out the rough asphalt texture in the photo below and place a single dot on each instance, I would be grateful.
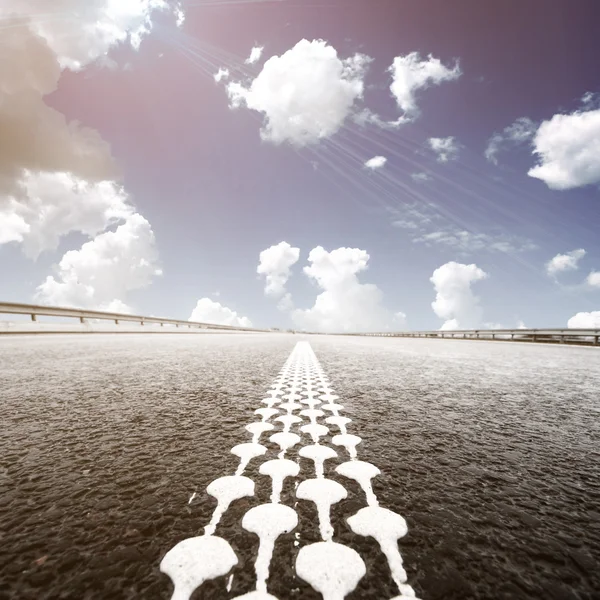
(490, 450)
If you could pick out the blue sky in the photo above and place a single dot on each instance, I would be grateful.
(137, 182)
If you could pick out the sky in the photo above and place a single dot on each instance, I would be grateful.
(328, 165)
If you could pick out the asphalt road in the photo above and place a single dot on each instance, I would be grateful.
(489, 450)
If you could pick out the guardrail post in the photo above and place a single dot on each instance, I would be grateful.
(493, 336)
(596, 340)
(116, 321)
(33, 317)
(141, 322)
(81, 320)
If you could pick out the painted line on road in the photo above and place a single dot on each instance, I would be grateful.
(302, 402)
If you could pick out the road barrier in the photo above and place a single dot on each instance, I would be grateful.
(590, 337)
(557, 336)
(87, 316)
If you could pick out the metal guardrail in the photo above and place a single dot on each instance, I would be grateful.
(560, 336)
(83, 315)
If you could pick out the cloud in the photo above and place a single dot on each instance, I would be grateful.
(209, 311)
(305, 95)
(255, 55)
(568, 150)
(446, 149)
(585, 320)
(104, 269)
(275, 264)
(85, 32)
(50, 205)
(179, 14)
(519, 132)
(345, 304)
(411, 73)
(221, 74)
(377, 162)
(590, 100)
(455, 301)
(593, 279)
(565, 262)
(425, 224)
(420, 177)
(55, 176)
(468, 242)
(399, 320)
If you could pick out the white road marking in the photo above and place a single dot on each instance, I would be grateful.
(226, 490)
(330, 568)
(193, 561)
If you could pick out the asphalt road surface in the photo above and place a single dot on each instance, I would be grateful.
(489, 450)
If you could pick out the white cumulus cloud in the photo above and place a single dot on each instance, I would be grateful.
(274, 264)
(455, 301)
(345, 304)
(565, 262)
(104, 269)
(209, 311)
(49, 205)
(446, 149)
(568, 150)
(411, 73)
(377, 162)
(593, 279)
(255, 55)
(585, 320)
(305, 94)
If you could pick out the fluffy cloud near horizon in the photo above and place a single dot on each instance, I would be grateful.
(345, 304)
(275, 265)
(101, 273)
(210, 311)
(568, 150)
(455, 301)
(565, 262)
(446, 149)
(585, 320)
(305, 95)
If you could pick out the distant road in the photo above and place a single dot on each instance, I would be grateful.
(489, 451)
